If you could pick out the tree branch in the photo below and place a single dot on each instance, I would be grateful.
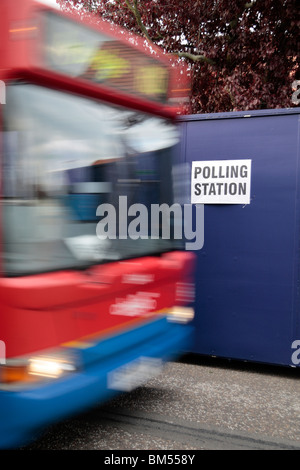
(250, 4)
(134, 9)
(194, 57)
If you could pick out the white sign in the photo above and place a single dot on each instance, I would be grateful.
(221, 182)
(129, 376)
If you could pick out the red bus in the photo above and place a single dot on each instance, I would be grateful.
(88, 120)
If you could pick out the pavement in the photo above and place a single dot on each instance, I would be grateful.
(198, 403)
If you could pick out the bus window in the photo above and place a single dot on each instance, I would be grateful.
(64, 156)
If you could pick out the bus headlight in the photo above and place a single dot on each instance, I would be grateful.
(32, 370)
(49, 367)
(181, 314)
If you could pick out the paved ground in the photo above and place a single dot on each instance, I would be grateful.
(195, 405)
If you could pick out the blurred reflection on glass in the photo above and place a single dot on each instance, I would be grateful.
(64, 156)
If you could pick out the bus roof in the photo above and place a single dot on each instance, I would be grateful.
(90, 56)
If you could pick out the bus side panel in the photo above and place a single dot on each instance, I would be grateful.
(247, 273)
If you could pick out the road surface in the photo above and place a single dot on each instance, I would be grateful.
(196, 404)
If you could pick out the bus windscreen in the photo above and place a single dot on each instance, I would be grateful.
(67, 159)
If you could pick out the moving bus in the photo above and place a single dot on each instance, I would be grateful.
(91, 305)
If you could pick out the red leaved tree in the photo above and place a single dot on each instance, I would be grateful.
(241, 55)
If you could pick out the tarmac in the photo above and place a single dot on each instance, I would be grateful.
(197, 403)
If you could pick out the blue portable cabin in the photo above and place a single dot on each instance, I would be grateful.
(247, 279)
